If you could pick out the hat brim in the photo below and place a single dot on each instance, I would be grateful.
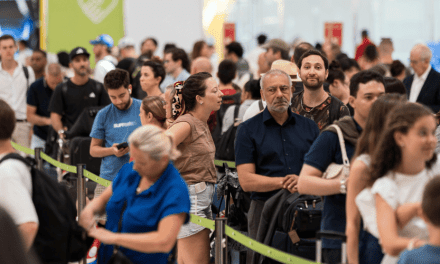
(94, 42)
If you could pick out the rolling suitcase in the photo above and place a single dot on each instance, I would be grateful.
(331, 235)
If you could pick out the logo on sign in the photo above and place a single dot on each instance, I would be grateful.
(95, 10)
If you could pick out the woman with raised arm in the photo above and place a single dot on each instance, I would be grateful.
(193, 103)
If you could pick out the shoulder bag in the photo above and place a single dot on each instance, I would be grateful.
(118, 257)
(338, 170)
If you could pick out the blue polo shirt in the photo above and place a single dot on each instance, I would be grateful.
(274, 149)
(324, 151)
(167, 196)
(114, 126)
(39, 95)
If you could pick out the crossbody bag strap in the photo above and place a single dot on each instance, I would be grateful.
(116, 247)
(345, 160)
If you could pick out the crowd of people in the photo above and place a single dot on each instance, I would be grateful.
(161, 118)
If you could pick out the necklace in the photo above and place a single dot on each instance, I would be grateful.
(307, 114)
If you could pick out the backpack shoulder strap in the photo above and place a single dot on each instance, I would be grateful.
(334, 110)
(26, 74)
(260, 104)
(17, 157)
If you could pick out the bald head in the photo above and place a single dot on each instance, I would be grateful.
(54, 75)
(201, 64)
(423, 50)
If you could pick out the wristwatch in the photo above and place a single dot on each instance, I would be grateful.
(343, 188)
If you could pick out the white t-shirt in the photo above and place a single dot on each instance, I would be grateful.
(398, 189)
(16, 191)
(103, 66)
(13, 89)
(253, 110)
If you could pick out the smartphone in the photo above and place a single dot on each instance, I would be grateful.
(122, 145)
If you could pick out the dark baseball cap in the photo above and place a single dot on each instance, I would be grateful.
(78, 51)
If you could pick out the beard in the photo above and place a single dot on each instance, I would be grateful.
(311, 86)
(280, 108)
(124, 106)
(82, 71)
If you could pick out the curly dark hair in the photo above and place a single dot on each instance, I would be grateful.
(387, 155)
(116, 78)
(194, 85)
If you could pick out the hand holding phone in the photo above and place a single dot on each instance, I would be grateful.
(122, 145)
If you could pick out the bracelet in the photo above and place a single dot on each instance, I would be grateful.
(411, 244)
(343, 187)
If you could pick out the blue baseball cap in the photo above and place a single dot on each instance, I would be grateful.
(103, 39)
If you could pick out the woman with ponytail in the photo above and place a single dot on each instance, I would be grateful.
(193, 102)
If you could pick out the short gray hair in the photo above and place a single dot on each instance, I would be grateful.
(425, 51)
(275, 72)
(53, 69)
(153, 140)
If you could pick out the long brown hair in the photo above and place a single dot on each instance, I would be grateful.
(155, 106)
(376, 122)
(387, 155)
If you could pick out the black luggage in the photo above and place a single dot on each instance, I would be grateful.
(298, 222)
(80, 154)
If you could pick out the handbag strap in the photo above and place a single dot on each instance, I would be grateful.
(116, 247)
(345, 160)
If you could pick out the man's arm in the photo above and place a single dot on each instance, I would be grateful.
(252, 182)
(33, 118)
(28, 232)
(55, 118)
(98, 151)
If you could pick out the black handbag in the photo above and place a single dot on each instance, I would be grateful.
(118, 257)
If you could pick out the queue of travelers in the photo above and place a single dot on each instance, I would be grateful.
(297, 116)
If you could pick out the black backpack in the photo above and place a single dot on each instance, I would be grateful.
(224, 149)
(59, 238)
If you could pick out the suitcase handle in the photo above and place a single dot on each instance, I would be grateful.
(331, 235)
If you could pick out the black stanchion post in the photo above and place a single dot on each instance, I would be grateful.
(81, 189)
(38, 158)
(221, 253)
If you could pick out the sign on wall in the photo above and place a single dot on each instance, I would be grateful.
(68, 24)
(333, 32)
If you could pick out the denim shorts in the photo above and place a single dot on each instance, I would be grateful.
(201, 200)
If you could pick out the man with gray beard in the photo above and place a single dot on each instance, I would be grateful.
(314, 102)
(270, 147)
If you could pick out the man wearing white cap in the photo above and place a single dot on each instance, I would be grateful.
(104, 61)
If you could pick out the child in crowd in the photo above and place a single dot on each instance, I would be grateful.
(401, 165)
(430, 252)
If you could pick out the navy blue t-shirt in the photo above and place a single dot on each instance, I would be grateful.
(324, 151)
(39, 95)
(275, 150)
(167, 196)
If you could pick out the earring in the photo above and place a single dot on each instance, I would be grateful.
(402, 145)
(201, 103)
